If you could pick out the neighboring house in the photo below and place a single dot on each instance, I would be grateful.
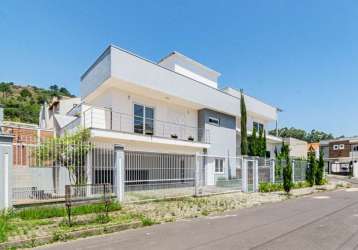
(298, 148)
(173, 107)
(25, 136)
(313, 148)
(55, 115)
(340, 154)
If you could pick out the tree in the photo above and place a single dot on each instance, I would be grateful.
(69, 151)
(5, 89)
(311, 169)
(244, 144)
(65, 92)
(25, 93)
(312, 136)
(264, 144)
(253, 143)
(287, 175)
(320, 170)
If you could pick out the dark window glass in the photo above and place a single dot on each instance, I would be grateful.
(149, 121)
(138, 118)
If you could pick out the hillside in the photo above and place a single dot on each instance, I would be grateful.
(23, 103)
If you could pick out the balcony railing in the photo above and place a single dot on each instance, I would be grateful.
(101, 118)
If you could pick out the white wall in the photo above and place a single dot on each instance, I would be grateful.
(167, 116)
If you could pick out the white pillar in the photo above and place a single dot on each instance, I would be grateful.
(244, 175)
(119, 172)
(293, 171)
(6, 166)
(273, 171)
(89, 171)
(256, 175)
(197, 175)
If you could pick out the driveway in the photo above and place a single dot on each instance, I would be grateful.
(327, 220)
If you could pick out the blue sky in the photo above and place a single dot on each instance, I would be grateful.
(301, 56)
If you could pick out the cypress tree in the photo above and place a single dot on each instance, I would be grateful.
(287, 175)
(264, 145)
(311, 170)
(253, 145)
(244, 144)
(320, 170)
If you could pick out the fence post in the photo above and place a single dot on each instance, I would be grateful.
(256, 175)
(89, 170)
(273, 171)
(244, 175)
(293, 171)
(196, 179)
(6, 166)
(119, 172)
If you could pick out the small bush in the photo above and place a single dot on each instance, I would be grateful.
(266, 187)
(102, 219)
(146, 221)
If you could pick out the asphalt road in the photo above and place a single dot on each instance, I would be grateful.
(326, 220)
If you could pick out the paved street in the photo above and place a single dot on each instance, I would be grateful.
(326, 220)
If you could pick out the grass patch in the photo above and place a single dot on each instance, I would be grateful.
(52, 212)
(146, 221)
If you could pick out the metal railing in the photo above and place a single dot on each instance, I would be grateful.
(104, 118)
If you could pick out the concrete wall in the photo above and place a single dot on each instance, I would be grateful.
(222, 138)
(298, 148)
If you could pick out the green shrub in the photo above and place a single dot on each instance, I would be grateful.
(5, 226)
(266, 187)
(146, 221)
(319, 170)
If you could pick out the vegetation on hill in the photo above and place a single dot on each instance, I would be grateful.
(23, 103)
(313, 136)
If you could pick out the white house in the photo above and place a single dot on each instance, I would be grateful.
(173, 107)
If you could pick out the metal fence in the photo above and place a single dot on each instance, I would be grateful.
(42, 169)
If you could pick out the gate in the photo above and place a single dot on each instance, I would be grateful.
(158, 175)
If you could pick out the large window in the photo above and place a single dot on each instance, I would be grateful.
(219, 166)
(143, 119)
(258, 126)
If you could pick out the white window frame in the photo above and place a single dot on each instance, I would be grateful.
(258, 126)
(144, 116)
(341, 146)
(335, 147)
(214, 121)
(219, 167)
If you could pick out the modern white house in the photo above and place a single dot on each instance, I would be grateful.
(173, 106)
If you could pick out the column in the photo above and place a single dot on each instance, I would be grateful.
(6, 165)
(119, 177)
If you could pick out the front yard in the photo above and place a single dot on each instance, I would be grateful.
(30, 227)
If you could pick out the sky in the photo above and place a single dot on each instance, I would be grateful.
(300, 56)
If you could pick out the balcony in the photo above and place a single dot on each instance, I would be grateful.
(106, 119)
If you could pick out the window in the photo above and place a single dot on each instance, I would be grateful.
(219, 166)
(335, 147)
(143, 120)
(355, 148)
(341, 146)
(214, 121)
(258, 126)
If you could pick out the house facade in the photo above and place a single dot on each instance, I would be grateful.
(172, 107)
(341, 154)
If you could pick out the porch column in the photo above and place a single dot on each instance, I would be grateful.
(6, 165)
(119, 172)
